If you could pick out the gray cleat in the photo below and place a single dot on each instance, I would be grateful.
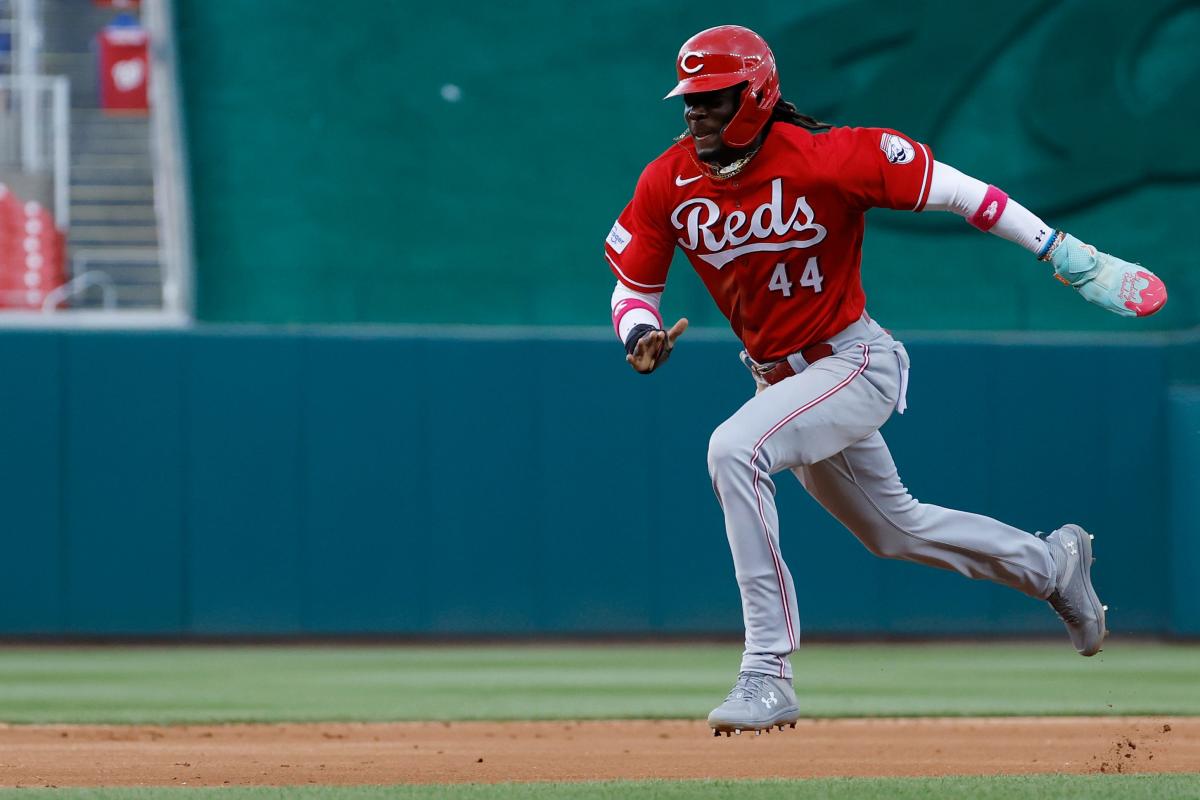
(1074, 599)
(757, 703)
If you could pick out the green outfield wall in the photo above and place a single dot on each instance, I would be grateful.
(415, 162)
(372, 481)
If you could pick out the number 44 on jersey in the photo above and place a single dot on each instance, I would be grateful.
(810, 278)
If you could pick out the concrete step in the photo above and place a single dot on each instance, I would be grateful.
(122, 304)
(116, 254)
(107, 145)
(100, 115)
(117, 142)
(119, 214)
(110, 174)
(113, 193)
(130, 274)
(81, 136)
(99, 235)
(134, 271)
(85, 132)
(111, 161)
(138, 275)
(128, 297)
(95, 119)
(121, 263)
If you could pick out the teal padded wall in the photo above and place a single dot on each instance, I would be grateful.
(334, 183)
(248, 481)
(32, 591)
(1184, 451)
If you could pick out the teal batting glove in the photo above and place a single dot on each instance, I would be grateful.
(1119, 286)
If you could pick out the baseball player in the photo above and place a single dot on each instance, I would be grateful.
(767, 204)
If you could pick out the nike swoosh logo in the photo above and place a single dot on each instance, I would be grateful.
(679, 180)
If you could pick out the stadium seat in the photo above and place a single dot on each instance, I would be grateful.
(32, 253)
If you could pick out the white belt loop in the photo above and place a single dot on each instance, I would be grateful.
(797, 361)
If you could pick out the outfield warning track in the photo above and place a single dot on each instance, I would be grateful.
(436, 752)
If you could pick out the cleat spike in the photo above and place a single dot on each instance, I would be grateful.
(780, 727)
(728, 734)
(758, 733)
(738, 731)
(793, 726)
(716, 732)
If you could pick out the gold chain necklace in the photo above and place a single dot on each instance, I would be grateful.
(718, 173)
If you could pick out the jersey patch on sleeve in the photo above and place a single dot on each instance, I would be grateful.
(897, 149)
(618, 237)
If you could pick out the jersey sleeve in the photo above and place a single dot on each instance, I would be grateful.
(639, 246)
(883, 168)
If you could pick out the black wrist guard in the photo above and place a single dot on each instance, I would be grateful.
(636, 335)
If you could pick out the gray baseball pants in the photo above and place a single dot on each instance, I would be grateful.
(823, 425)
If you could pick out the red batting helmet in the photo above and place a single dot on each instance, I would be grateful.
(725, 56)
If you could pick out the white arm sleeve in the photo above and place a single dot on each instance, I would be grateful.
(631, 308)
(951, 190)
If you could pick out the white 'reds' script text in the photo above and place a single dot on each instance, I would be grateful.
(729, 241)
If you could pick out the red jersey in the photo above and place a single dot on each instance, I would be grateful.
(779, 245)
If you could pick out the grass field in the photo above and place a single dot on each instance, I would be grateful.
(267, 684)
(165, 685)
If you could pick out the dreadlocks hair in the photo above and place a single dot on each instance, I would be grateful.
(786, 112)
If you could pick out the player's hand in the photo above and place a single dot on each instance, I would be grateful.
(654, 347)
(1123, 288)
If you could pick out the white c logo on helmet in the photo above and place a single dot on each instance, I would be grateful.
(691, 54)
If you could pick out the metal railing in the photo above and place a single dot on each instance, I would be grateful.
(46, 99)
(169, 152)
(80, 284)
(27, 49)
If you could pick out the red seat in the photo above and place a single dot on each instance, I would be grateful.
(10, 212)
(32, 254)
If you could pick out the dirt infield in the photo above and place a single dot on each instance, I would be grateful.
(342, 754)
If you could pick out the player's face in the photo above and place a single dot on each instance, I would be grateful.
(706, 114)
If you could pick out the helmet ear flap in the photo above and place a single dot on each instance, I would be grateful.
(740, 131)
(752, 114)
